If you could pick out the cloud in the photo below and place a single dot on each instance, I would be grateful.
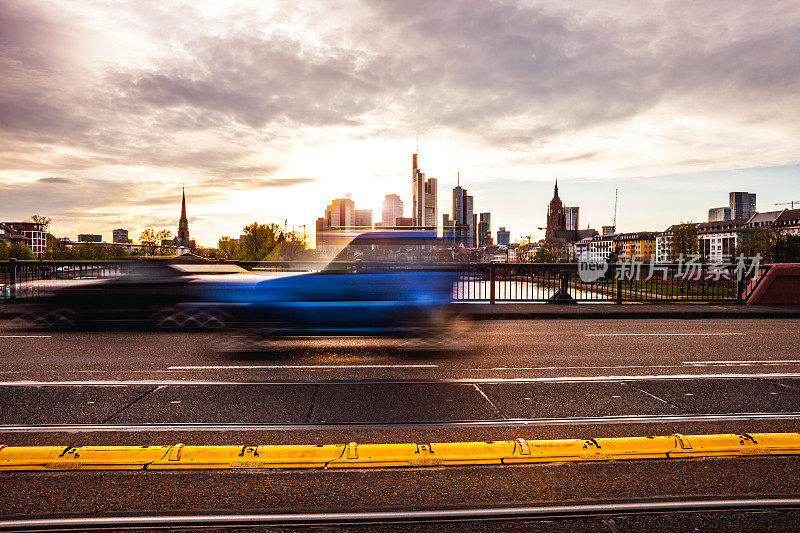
(229, 98)
(54, 180)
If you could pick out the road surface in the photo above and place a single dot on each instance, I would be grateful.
(503, 380)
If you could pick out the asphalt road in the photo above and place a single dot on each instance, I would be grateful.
(501, 380)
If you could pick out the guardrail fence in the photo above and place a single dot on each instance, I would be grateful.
(478, 282)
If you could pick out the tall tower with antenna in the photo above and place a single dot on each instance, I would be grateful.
(423, 196)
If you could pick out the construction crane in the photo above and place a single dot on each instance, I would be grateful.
(790, 203)
(614, 224)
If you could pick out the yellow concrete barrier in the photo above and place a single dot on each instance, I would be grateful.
(354, 455)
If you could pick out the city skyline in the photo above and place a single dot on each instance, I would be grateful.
(267, 112)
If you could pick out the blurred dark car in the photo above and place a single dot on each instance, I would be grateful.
(381, 283)
(160, 293)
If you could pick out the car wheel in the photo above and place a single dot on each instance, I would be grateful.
(62, 318)
(192, 318)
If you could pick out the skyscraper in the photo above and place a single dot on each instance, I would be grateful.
(392, 210)
(484, 232)
(742, 204)
(363, 218)
(341, 212)
(459, 204)
(571, 214)
(423, 193)
(430, 203)
(464, 220)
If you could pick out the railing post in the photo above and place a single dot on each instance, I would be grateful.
(562, 295)
(619, 285)
(12, 277)
(492, 279)
(740, 285)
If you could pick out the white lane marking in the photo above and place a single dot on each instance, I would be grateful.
(25, 336)
(498, 368)
(165, 383)
(742, 362)
(727, 334)
(284, 367)
(713, 364)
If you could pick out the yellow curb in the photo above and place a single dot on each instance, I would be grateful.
(353, 455)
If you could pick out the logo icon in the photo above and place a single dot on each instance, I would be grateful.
(590, 272)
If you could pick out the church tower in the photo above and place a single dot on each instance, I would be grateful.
(556, 218)
(183, 223)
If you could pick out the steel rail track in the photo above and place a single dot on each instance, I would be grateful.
(396, 517)
(210, 427)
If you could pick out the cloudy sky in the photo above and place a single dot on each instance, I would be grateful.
(267, 110)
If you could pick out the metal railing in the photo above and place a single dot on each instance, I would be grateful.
(477, 282)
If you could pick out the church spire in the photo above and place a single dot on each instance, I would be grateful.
(555, 190)
(183, 223)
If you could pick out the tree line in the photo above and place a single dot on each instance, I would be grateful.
(258, 242)
(263, 242)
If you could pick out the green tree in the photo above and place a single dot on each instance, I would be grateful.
(39, 219)
(258, 240)
(787, 249)
(56, 251)
(291, 247)
(3, 250)
(152, 241)
(227, 248)
(22, 251)
(684, 241)
(755, 241)
(550, 252)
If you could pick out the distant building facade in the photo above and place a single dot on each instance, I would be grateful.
(90, 237)
(638, 246)
(121, 235)
(392, 209)
(717, 239)
(582, 249)
(718, 214)
(10, 236)
(32, 231)
(363, 218)
(340, 224)
(503, 237)
(742, 204)
(788, 222)
(600, 248)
